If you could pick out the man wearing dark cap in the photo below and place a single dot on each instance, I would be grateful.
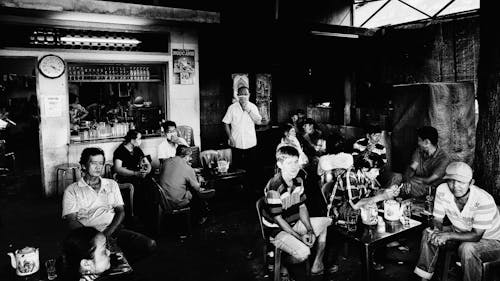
(475, 225)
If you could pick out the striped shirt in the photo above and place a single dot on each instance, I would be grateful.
(479, 212)
(283, 200)
(376, 153)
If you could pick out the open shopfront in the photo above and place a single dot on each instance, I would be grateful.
(120, 88)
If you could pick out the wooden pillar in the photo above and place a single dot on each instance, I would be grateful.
(348, 97)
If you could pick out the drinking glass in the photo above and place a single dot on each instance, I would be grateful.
(352, 221)
(406, 214)
(51, 269)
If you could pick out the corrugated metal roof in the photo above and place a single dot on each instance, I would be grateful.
(377, 13)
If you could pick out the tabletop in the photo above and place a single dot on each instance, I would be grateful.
(383, 232)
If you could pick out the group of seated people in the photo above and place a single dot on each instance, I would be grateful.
(471, 211)
(93, 206)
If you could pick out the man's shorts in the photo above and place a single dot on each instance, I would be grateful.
(294, 247)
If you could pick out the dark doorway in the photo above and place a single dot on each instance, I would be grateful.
(19, 107)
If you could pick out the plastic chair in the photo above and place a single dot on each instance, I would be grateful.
(259, 206)
(186, 132)
(64, 168)
(165, 208)
(208, 157)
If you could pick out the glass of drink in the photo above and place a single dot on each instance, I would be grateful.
(51, 269)
(352, 221)
(406, 213)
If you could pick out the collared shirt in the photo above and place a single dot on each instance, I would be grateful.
(242, 125)
(283, 200)
(376, 153)
(167, 149)
(434, 164)
(479, 212)
(95, 209)
(175, 178)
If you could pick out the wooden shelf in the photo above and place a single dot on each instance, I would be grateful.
(118, 81)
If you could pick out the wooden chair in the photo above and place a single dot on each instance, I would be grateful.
(165, 208)
(259, 206)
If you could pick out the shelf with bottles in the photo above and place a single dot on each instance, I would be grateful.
(103, 131)
(114, 73)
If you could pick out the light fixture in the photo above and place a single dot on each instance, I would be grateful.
(99, 40)
(334, 34)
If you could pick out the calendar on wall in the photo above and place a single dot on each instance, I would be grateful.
(263, 96)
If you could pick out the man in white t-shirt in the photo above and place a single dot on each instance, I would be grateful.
(96, 202)
(239, 122)
(167, 148)
(475, 225)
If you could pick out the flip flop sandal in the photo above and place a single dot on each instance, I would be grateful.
(404, 248)
(332, 269)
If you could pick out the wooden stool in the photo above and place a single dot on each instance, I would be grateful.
(64, 168)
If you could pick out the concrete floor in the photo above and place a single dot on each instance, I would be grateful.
(227, 247)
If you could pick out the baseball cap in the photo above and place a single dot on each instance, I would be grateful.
(459, 171)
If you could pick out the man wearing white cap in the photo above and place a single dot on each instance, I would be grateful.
(475, 224)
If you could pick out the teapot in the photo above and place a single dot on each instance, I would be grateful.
(392, 210)
(25, 261)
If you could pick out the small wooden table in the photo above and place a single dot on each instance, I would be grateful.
(372, 237)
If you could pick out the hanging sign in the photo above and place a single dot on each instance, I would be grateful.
(184, 66)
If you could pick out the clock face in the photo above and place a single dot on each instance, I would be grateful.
(51, 66)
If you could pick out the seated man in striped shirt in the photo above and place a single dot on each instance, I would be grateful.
(370, 149)
(475, 225)
(286, 217)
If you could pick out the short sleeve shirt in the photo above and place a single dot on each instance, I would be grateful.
(167, 149)
(242, 125)
(283, 200)
(130, 159)
(479, 212)
(175, 178)
(430, 165)
(95, 209)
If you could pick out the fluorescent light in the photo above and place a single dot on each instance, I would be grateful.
(100, 18)
(334, 34)
(100, 40)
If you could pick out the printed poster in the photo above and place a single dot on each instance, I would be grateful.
(184, 66)
(263, 96)
(53, 106)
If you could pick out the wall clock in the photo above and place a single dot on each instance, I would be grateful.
(51, 66)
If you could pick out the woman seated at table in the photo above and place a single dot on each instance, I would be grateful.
(132, 166)
(290, 139)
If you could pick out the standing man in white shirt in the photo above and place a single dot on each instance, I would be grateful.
(239, 121)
